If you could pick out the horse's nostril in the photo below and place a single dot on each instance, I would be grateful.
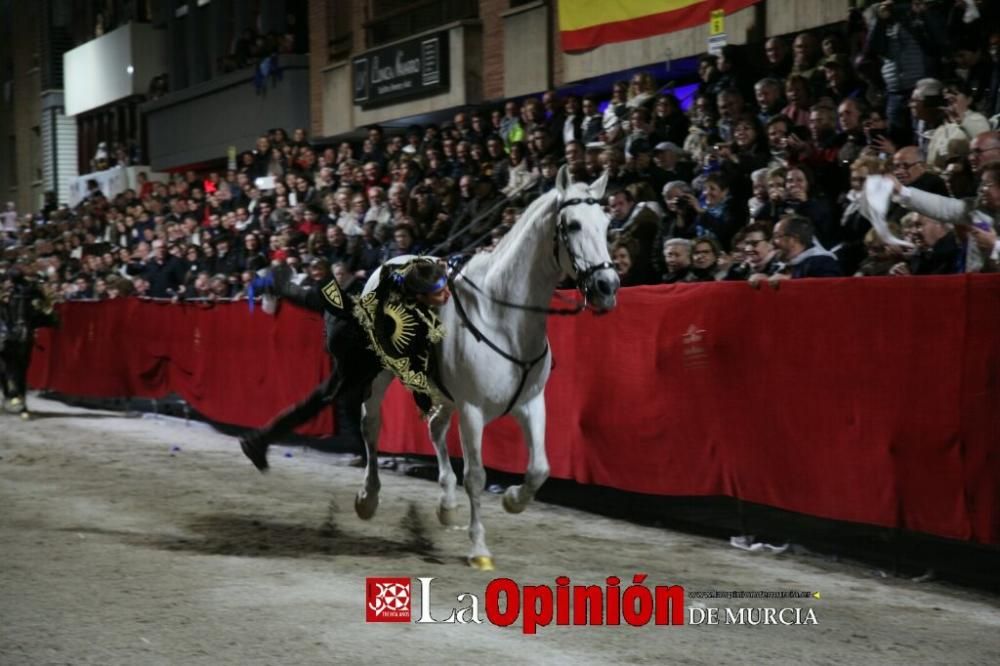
(604, 286)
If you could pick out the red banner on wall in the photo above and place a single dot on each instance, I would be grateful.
(868, 400)
(586, 24)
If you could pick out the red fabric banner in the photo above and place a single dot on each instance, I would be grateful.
(868, 400)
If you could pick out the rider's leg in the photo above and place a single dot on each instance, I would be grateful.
(255, 443)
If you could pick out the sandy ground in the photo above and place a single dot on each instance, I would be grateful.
(148, 541)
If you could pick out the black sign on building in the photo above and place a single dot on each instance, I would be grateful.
(406, 70)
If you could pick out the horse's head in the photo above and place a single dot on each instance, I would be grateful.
(581, 240)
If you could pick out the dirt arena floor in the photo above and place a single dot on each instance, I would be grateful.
(148, 541)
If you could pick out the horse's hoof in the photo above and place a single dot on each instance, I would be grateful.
(25, 415)
(446, 515)
(365, 507)
(481, 562)
(509, 501)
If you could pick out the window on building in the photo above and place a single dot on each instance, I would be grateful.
(390, 20)
(338, 30)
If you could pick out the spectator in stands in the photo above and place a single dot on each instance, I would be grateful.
(677, 259)
(641, 91)
(799, 100)
(520, 175)
(622, 256)
(841, 81)
(793, 238)
(767, 92)
(679, 219)
(958, 114)
(854, 225)
(591, 122)
(980, 216)
(638, 223)
(959, 179)
(614, 114)
(779, 129)
(759, 255)
(705, 255)
(572, 120)
(720, 216)
(900, 43)
(163, 273)
(779, 58)
(669, 121)
(940, 250)
(851, 137)
(730, 105)
(805, 59)
(879, 257)
(911, 170)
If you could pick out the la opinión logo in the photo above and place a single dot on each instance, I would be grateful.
(388, 600)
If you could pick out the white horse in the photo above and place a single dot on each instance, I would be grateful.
(495, 356)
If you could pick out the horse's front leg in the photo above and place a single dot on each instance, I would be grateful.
(470, 421)
(366, 501)
(531, 417)
(438, 427)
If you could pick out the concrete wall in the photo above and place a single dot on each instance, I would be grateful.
(114, 66)
(199, 123)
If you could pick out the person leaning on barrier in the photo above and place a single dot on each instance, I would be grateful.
(364, 335)
(794, 238)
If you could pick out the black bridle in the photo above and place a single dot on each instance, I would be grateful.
(582, 275)
(562, 233)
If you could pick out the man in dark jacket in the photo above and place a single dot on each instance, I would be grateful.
(802, 258)
(164, 272)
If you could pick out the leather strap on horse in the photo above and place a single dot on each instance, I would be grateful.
(525, 366)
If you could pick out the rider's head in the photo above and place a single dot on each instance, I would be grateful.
(427, 281)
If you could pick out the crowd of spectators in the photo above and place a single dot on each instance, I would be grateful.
(760, 177)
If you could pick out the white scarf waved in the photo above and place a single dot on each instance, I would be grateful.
(874, 206)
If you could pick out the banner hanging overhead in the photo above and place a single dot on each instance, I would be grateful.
(586, 24)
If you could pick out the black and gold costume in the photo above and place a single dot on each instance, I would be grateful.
(402, 332)
(387, 328)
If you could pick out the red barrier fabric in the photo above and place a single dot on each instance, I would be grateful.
(229, 364)
(867, 400)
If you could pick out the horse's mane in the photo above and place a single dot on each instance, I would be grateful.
(537, 210)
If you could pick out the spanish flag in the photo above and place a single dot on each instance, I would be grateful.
(585, 24)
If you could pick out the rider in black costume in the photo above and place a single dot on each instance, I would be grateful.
(392, 327)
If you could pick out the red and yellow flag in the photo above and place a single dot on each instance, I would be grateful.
(585, 24)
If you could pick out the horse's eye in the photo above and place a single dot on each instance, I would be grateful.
(573, 226)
